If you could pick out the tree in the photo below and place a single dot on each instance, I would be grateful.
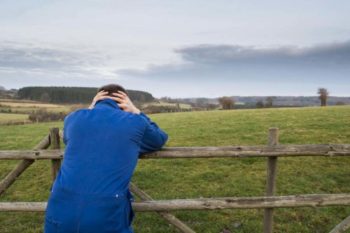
(269, 101)
(200, 102)
(45, 97)
(260, 104)
(323, 95)
(339, 103)
(210, 106)
(226, 102)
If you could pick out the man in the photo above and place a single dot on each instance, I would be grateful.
(103, 143)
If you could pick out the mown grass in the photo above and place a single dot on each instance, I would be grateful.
(11, 117)
(192, 178)
(162, 103)
(26, 107)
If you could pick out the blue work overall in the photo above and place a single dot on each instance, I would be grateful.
(91, 191)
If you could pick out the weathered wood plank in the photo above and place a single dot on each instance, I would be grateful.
(11, 177)
(271, 180)
(31, 154)
(342, 227)
(207, 152)
(306, 200)
(43, 144)
(55, 144)
(166, 215)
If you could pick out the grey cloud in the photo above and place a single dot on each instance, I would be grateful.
(235, 59)
(332, 54)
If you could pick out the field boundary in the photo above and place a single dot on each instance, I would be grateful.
(271, 152)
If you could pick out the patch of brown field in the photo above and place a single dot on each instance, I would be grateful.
(26, 104)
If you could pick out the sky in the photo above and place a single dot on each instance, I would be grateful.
(178, 49)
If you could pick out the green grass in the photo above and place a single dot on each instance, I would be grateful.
(162, 103)
(26, 107)
(192, 178)
(28, 110)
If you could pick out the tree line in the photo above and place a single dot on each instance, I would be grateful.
(227, 102)
(72, 95)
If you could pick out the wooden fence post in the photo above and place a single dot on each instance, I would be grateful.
(271, 180)
(55, 144)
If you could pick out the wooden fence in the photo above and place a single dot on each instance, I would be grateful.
(271, 151)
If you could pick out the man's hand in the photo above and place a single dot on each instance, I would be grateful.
(125, 103)
(100, 96)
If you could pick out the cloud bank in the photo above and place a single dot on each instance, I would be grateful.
(232, 57)
(206, 68)
(50, 61)
(248, 70)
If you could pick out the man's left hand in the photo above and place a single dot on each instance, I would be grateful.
(125, 103)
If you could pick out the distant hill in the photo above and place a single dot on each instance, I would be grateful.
(84, 95)
(7, 94)
(71, 95)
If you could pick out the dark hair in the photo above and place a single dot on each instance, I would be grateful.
(112, 88)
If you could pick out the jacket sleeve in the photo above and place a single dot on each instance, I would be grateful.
(65, 129)
(65, 140)
(154, 137)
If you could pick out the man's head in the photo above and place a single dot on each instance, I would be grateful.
(112, 88)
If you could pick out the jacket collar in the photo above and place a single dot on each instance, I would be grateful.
(107, 103)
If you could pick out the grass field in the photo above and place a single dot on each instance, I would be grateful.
(162, 103)
(27, 106)
(192, 178)
(11, 117)
(23, 106)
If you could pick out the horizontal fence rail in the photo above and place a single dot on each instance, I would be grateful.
(206, 152)
(305, 200)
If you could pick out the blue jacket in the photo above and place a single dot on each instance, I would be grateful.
(90, 193)
(103, 145)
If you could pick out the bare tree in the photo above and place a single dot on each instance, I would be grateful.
(45, 97)
(269, 101)
(323, 95)
(339, 103)
(260, 104)
(226, 102)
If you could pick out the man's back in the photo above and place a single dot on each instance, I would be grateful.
(90, 193)
(103, 146)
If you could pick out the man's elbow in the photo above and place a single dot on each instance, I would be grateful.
(165, 139)
(155, 144)
(162, 140)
